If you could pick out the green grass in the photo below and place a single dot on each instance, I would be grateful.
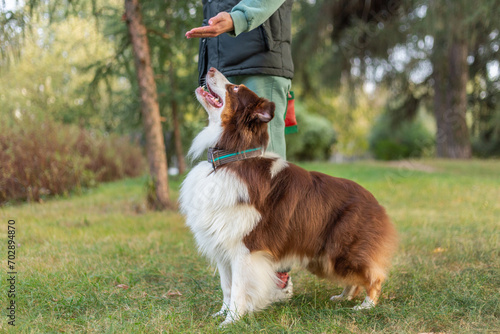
(74, 253)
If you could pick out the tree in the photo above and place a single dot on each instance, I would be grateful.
(176, 124)
(174, 61)
(332, 40)
(149, 103)
(424, 51)
(46, 70)
(484, 96)
(451, 74)
(456, 27)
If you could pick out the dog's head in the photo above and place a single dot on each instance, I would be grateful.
(237, 116)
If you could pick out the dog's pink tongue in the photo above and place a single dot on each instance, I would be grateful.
(201, 91)
(209, 97)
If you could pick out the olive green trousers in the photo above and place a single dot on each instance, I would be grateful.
(276, 90)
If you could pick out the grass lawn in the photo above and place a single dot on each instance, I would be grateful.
(100, 263)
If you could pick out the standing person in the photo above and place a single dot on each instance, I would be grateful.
(249, 41)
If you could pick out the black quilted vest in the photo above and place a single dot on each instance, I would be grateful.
(264, 50)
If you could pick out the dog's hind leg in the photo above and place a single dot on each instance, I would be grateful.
(350, 292)
(225, 282)
(372, 293)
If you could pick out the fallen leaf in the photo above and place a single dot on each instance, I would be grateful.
(173, 293)
(439, 250)
(122, 286)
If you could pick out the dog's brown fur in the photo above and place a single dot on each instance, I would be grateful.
(334, 223)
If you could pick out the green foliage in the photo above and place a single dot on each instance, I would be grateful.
(12, 25)
(399, 45)
(100, 263)
(351, 121)
(51, 77)
(315, 137)
(42, 159)
(486, 147)
(71, 61)
(174, 62)
(407, 139)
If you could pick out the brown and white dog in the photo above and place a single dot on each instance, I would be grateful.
(258, 213)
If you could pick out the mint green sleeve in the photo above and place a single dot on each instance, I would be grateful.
(249, 14)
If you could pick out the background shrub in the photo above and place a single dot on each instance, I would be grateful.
(486, 147)
(410, 138)
(41, 159)
(314, 140)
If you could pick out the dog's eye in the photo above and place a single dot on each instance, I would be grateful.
(235, 88)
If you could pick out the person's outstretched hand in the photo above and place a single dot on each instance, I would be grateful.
(217, 25)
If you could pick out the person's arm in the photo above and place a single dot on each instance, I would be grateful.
(245, 16)
(249, 14)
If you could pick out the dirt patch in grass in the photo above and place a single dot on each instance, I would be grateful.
(412, 165)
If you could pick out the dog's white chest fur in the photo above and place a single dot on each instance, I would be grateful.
(213, 203)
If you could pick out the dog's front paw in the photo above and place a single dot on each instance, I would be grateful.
(338, 298)
(226, 323)
(231, 317)
(221, 313)
(229, 320)
(341, 297)
(367, 304)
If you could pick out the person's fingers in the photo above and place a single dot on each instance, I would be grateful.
(218, 18)
(201, 32)
(218, 24)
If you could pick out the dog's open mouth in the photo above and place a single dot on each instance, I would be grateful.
(210, 96)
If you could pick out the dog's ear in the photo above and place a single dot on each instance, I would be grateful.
(261, 109)
(246, 97)
(265, 111)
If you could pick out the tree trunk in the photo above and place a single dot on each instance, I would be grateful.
(155, 147)
(179, 152)
(451, 74)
